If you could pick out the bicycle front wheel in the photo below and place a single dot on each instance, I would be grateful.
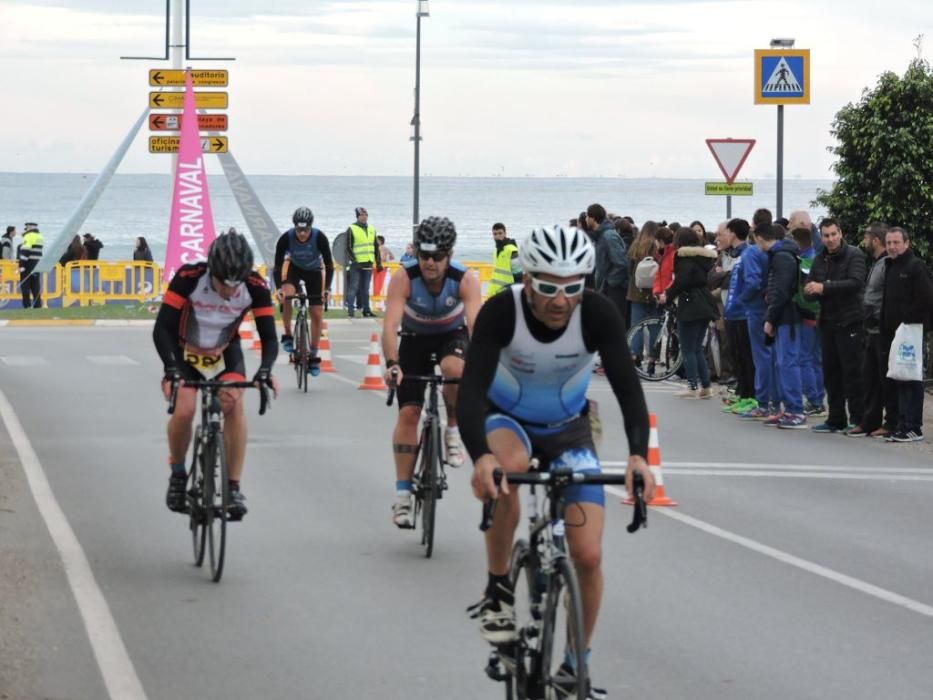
(662, 356)
(519, 660)
(196, 503)
(302, 353)
(430, 483)
(562, 632)
(216, 476)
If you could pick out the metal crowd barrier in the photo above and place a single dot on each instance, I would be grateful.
(93, 282)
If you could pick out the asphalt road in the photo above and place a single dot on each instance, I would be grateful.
(796, 565)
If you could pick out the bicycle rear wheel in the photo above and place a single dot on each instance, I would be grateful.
(563, 630)
(429, 482)
(216, 505)
(196, 502)
(663, 349)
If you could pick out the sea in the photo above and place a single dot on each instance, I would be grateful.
(138, 205)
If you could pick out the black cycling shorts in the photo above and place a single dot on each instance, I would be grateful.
(234, 365)
(414, 357)
(314, 283)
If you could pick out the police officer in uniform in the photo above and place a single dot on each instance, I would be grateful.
(29, 253)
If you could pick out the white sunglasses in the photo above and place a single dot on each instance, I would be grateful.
(552, 289)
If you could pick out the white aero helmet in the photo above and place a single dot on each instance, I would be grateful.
(564, 252)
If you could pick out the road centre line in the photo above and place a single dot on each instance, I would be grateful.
(114, 661)
(785, 558)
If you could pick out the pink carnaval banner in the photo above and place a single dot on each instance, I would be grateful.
(191, 226)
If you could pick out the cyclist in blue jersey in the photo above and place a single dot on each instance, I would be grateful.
(434, 301)
(523, 394)
(299, 255)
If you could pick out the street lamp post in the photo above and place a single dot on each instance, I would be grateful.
(423, 11)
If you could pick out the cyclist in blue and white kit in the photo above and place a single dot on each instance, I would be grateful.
(434, 301)
(523, 394)
(307, 250)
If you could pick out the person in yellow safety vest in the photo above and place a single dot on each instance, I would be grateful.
(362, 255)
(29, 254)
(506, 268)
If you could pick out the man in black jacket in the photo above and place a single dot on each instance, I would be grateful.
(782, 323)
(908, 298)
(837, 278)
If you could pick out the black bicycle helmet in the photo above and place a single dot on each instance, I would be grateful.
(436, 233)
(303, 217)
(230, 258)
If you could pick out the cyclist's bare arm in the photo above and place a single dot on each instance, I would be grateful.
(472, 298)
(399, 289)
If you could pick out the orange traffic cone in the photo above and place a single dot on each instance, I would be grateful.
(373, 377)
(654, 462)
(246, 331)
(323, 351)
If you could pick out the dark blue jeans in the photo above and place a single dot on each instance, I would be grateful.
(910, 403)
(691, 334)
(358, 284)
(786, 350)
(639, 312)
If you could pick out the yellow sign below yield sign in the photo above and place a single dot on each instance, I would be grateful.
(176, 100)
(736, 189)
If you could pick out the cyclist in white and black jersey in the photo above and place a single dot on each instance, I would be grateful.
(523, 394)
(434, 300)
(196, 335)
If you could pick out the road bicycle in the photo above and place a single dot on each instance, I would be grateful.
(301, 355)
(430, 480)
(208, 485)
(658, 336)
(548, 605)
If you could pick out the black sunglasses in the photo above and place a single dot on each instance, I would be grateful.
(436, 256)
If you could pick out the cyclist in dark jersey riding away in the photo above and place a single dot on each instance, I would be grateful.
(435, 301)
(307, 250)
(523, 394)
(196, 335)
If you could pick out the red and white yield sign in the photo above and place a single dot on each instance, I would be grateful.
(730, 155)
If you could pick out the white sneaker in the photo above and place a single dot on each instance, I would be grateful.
(401, 512)
(455, 448)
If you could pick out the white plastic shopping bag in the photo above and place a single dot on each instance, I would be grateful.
(905, 363)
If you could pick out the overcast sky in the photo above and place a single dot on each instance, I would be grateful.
(536, 87)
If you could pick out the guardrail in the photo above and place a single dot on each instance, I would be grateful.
(94, 282)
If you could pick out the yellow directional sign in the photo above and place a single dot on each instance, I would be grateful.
(176, 78)
(176, 100)
(169, 144)
(736, 189)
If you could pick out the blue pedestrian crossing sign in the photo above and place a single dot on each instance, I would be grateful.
(782, 76)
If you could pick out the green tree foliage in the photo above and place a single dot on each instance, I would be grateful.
(884, 158)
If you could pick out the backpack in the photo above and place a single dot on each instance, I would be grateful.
(645, 273)
(808, 309)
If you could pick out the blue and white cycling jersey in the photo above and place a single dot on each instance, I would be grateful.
(433, 314)
(307, 255)
(543, 384)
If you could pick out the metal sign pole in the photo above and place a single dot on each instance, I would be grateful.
(780, 162)
(729, 207)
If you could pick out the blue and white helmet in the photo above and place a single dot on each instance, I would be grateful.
(564, 252)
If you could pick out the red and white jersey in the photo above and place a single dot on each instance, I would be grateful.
(208, 321)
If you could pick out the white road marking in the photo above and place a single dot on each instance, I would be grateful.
(800, 471)
(803, 564)
(116, 360)
(24, 361)
(358, 359)
(112, 657)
